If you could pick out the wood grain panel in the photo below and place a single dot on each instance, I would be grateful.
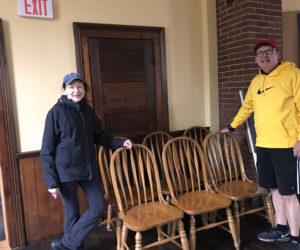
(44, 216)
(113, 34)
(124, 97)
(29, 199)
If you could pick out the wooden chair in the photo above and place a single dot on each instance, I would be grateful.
(198, 133)
(184, 155)
(135, 176)
(104, 156)
(228, 178)
(156, 141)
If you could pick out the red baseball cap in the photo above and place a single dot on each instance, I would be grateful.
(265, 42)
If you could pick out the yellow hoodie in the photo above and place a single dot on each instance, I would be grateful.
(275, 101)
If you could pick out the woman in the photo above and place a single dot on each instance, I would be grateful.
(68, 159)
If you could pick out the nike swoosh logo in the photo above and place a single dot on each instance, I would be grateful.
(260, 92)
(284, 235)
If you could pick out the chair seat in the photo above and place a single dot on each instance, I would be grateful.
(240, 190)
(199, 202)
(147, 216)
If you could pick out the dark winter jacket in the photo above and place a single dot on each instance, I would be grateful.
(68, 147)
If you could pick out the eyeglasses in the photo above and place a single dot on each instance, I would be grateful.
(268, 52)
(79, 87)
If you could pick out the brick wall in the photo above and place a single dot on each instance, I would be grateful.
(240, 25)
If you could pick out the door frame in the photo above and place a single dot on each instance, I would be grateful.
(82, 31)
(11, 199)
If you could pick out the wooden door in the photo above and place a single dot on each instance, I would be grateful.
(122, 79)
(125, 70)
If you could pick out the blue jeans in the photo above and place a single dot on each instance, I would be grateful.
(76, 227)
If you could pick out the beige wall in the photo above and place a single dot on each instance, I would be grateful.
(290, 5)
(40, 52)
(290, 41)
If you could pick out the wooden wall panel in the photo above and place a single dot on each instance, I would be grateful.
(43, 215)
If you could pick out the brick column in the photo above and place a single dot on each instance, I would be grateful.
(241, 23)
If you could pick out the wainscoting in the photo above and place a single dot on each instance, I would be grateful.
(43, 215)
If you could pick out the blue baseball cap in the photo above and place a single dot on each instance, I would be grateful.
(71, 77)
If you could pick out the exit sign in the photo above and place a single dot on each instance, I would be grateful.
(35, 8)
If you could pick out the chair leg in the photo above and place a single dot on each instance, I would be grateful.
(124, 236)
(212, 216)
(173, 228)
(183, 238)
(170, 224)
(192, 233)
(242, 207)
(236, 218)
(169, 228)
(232, 228)
(109, 221)
(159, 235)
(138, 241)
(119, 233)
(204, 218)
(271, 215)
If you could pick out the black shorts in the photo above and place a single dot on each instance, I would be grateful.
(276, 168)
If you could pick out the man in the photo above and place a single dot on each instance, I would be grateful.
(274, 97)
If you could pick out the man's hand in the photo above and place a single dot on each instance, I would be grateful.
(225, 130)
(296, 149)
(127, 144)
(54, 192)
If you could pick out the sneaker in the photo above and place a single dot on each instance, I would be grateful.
(58, 245)
(274, 235)
(294, 245)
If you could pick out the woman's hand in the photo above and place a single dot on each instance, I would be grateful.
(127, 144)
(54, 192)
